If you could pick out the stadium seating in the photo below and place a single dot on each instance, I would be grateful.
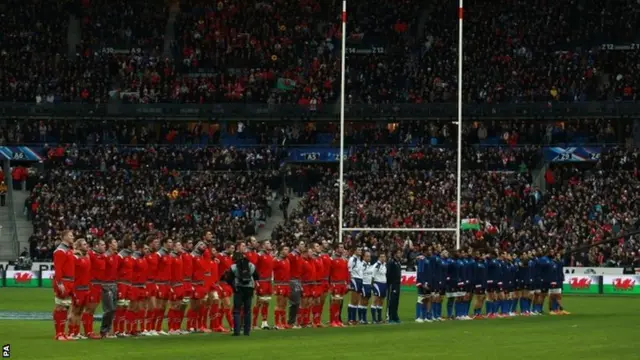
(398, 53)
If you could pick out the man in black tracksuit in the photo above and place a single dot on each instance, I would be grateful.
(394, 276)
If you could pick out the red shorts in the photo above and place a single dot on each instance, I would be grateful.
(164, 291)
(96, 294)
(188, 289)
(309, 291)
(81, 298)
(152, 289)
(226, 290)
(324, 286)
(264, 288)
(339, 289)
(125, 292)
(199, 292)
(177, 292)
(68, 290)
(282, 290)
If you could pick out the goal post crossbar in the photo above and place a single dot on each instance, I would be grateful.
(401, 229)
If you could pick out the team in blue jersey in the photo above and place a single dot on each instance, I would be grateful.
(504, 284)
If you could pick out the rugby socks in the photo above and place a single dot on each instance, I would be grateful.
(450, 302)
(159, 318)
(256, 311)
(374, 313)
(59, 321)
(201, 317)
(317, 317)
(117, 321)
(149, 320)
(87, 322)
(334, 312)
(264, 311)
(489, 307)
(229, 316)
(351, 313)
(418, 310)
(130, 317)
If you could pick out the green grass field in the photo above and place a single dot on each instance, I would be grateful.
(599, 328)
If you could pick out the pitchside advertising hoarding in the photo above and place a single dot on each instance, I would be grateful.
(624, 285)
(581, 284)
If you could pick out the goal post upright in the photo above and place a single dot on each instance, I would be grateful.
(343, 18)
(459, 162)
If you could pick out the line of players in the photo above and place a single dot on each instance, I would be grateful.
(159, 277)
(497, 281)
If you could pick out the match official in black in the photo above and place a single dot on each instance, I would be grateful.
(394, 277)
(243, 275)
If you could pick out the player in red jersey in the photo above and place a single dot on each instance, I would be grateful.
(109, 288)
(163, 279)
(200, 264)
(177, 290)
(98, 267)
(264, 288)
(339, 278)
(63, 278)
(295, 295)
(225, 260)
(316, 306)
(152, 288)
(139, 290)
(325, 257)
(124, 315)
(215, 310)
(81, 287)
(308, 288)
(187, 268)
(281, 279)
(252, 251)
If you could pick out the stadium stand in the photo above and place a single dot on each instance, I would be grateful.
(398, 53)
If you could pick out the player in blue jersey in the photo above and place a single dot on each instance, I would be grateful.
(510, 286)
(469, 267)
(438, 286)
(459, 292)
(424, 272)
(500, 291)
(555, 288)
(479, 284)
(494, 270)
(534, 262)
(450, 282)
(526, 291)
(545, 274)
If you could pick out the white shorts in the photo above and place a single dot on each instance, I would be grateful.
(537, 291)
(555, 291)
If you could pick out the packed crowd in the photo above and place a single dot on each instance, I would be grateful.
(141, 192)
(515, 51)
(567, 132)
(580, 206)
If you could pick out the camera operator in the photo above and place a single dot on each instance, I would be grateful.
(242, 276)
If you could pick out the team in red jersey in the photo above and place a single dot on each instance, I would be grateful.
(138, 305)
(158, 272)
(339, 278)
(174, 318)
(81, 287)
(281, 279)
(264, 288)
(98, 266)
(152, 310)
(163, 282)
(225, 261)
(64, 263)
(124, 318)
